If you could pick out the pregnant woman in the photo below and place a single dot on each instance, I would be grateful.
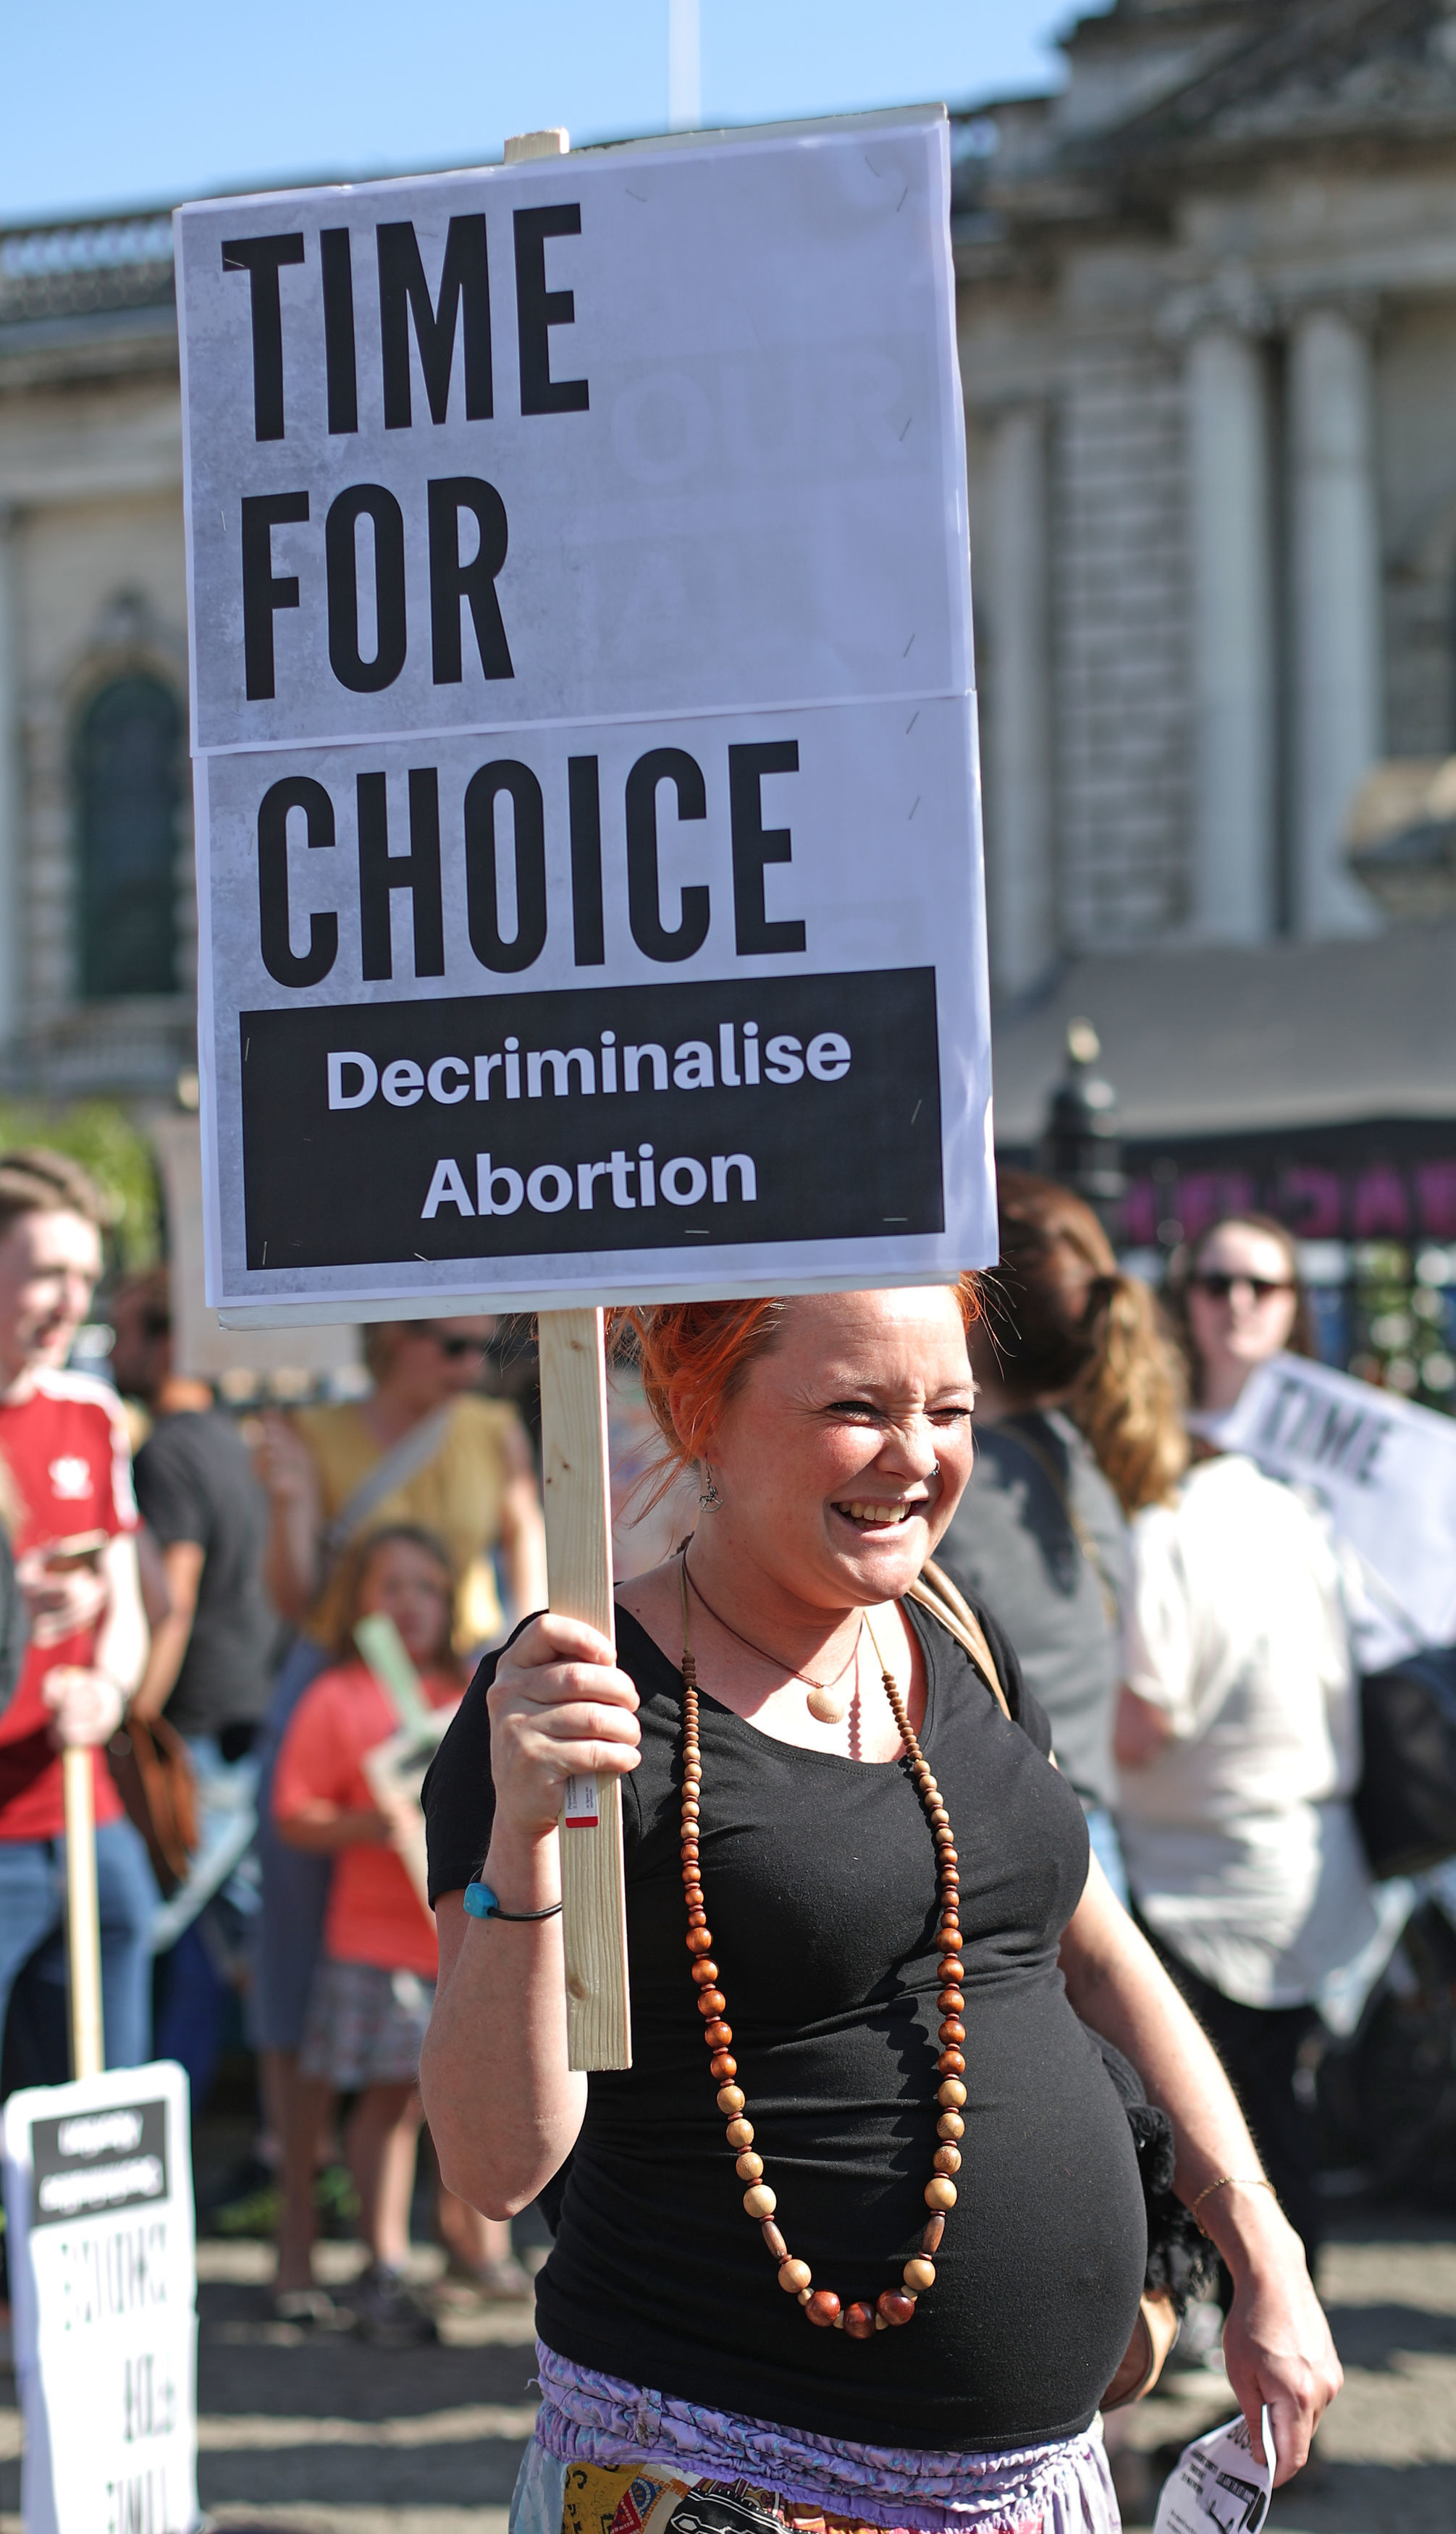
(861, 2230)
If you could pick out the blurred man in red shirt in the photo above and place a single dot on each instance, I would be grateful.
(65, 1445)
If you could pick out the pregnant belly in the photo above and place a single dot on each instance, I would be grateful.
(656, 2277)
(1042, 2276)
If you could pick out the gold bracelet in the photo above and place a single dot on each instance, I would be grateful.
(1227, 2181)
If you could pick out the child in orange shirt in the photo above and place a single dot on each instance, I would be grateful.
(375, 1984)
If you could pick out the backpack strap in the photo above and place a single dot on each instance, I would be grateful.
(934, 1592)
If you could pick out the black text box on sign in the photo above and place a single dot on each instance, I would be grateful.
(642, 1118)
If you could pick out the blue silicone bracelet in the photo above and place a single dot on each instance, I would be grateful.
(481, 1903)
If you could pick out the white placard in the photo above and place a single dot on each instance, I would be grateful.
(1384, 1470)
(1216, 2486)
(581, 624)
(102, 2273)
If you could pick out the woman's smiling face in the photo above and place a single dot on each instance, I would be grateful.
(826, 1459)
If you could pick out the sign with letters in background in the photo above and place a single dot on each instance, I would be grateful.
(591, 898)
(100, 2244)
(1386, 1471)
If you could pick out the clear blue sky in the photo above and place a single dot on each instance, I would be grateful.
(104, 106)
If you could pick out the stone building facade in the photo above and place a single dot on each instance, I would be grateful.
(98, 923)
(1208, 339)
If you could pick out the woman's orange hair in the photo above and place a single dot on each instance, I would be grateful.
(704, 1350)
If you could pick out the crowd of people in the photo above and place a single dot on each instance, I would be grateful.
(843, 1787)
(184, 1605)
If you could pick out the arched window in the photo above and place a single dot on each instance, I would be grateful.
(126, 793)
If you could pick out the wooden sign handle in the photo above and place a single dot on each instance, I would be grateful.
(577, 1490)
(83, 1914)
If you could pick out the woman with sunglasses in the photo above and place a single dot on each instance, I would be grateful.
(423, 1449)
(1239, 1729)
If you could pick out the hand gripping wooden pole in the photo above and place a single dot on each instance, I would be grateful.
(83, 1914)
(576, 1485)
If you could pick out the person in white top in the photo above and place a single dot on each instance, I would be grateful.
(1239, 1727)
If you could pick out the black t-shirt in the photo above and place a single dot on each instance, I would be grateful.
(819, 1884)
(196, 1482)
(1040, 1537)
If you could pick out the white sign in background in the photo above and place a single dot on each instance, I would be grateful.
(102, 2274)
(580, 607)
(1386, 1471)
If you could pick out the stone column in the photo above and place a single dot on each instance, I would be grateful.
(1335, 595)
(1012, 564)
(1235, 695)
(12, 795)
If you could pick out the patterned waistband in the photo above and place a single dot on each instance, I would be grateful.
(1061, 2488)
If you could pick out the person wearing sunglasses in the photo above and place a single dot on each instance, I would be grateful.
(1238, 1727)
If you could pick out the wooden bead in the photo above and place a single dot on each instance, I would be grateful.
(940, 2193)
(948, 1970)
(706, 1972)
(894, 2307)
(760, 2201)
(749, 2167)
(775, 2241)
(793, 2275)
(951, 2095)
(919, 2274)
(939, 1818)
(804, 2296)
(698, 1941)
(731, 2099)
(949, 1876)
(823, 2308)
(717, 2035)
(723, 2064)
(880, 2321)
(741, 2133)
(951, 2001)
(691, 1772)
(859, 2320)
(951, 2063)
(711, 2002)
(953, 2029)
(935, 2228)
(950, 2125)
(697, 1917)
(946, 2160)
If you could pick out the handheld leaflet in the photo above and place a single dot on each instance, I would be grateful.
(1216, 2486)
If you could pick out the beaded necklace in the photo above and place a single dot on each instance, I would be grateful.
(821, 2306)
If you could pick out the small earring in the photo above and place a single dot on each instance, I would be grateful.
(936, 1470)
(709, 1498)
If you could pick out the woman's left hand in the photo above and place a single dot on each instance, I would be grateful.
(1276, 2344)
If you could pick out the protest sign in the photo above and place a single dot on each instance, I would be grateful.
(1387, 1474)
(395, 1769)
(588, 852)
(100, 2242)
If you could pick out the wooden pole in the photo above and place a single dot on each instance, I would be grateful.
(577, 1490)
(83, 1916)
(576, 1486)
